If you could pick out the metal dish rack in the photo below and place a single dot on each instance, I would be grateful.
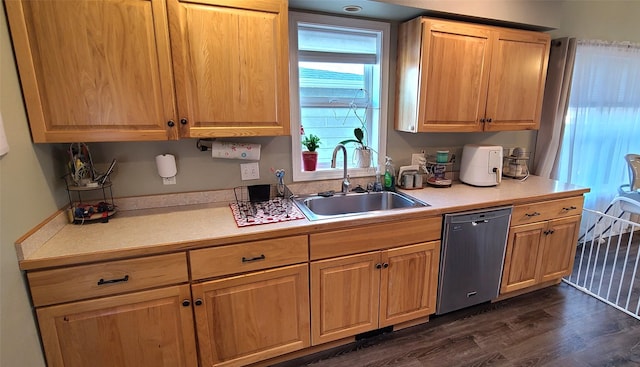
(264, 201)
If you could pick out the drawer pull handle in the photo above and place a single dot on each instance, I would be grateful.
(534, 214)
(570, 208)
(103, 282)
(257, 258)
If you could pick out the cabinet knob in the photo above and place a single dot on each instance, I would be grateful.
(378, 266)
(198, 302)
(171, 123)
(489, 120)
(481, 120)
(569, 208)
(534, 214)
(385, 265)
(186, 303)
(184, 121)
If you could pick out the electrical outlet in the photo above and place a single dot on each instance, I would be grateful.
(250, 171)
(169, 180)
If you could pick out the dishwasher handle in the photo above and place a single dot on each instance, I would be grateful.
(476, 222)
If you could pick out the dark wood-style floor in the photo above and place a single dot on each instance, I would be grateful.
(608, 269)
(557, 326)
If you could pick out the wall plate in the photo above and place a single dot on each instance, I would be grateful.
(250, 171)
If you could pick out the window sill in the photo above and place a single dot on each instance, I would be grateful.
(332, 173)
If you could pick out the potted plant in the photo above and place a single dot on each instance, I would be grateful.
(363, 152)
(310, 156)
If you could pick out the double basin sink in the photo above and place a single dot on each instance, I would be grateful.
(330, 205)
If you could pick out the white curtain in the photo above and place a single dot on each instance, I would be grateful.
(603, 119)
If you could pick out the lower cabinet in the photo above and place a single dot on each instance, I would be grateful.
(543, 250)
(143, 329)
(362, 292)
(252, 317)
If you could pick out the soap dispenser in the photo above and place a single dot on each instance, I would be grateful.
(377, 186)
(389, 175)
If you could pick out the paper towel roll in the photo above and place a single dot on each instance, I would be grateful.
(221, 149)
(166, 164)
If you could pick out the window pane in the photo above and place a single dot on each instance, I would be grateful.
(325, 82)
(333, 125)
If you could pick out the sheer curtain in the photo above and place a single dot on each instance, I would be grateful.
(603, 119)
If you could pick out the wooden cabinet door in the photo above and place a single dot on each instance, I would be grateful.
(522, 260)
(516, 84)
(253, 317)
(344, 296)
(469, 77)
(409, 282)
(231, 67)
(559, 249)
(143, 329)
(94, 70)
(455, 68)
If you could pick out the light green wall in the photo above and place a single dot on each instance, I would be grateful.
(28, 195)
(30, 188)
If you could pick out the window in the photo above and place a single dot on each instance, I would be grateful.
(603, 119)
(339, 76)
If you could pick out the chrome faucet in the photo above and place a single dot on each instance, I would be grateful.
(345, 177)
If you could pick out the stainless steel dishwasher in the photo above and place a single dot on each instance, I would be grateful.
(473, 246)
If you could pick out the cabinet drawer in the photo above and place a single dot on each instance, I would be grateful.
(545, 210)
(374, 237)
(248, 256)
(95, 280)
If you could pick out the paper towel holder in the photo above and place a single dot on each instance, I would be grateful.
(166, 165)
(203, 148)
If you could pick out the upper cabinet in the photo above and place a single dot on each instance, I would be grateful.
(94, 70)
(104, 70)
(460, 77)
(231, 67)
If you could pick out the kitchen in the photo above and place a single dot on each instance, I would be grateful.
(32, 170)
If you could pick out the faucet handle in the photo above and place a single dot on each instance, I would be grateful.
(346, 184)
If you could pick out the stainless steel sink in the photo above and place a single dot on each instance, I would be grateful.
(321, 207)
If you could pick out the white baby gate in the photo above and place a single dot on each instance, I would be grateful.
(606, 261)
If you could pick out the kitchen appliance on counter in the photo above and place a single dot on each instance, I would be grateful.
(472, 258)
(516, 165)
(481, 165)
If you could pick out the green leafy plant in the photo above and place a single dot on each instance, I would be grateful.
(359, 138)
(312, 142)
(360, 113)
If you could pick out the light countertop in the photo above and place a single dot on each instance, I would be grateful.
(154, 231)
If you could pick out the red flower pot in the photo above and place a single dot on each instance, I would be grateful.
(309, 160)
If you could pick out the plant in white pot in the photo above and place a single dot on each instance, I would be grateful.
(359, 107)
(310, 156)
(363, 152)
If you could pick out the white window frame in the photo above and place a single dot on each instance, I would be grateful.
(380, 135)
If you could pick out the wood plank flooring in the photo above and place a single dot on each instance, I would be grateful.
(608, 269)
(556, 326)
